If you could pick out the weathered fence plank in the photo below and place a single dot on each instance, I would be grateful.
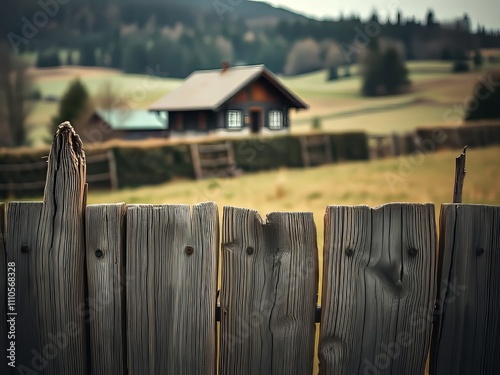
(378, 289)
(106, 300)
(268, 295)
(22, 224)
(467, 328)
(172, 258)
(60, 263)
(47, 243)
(4, 342)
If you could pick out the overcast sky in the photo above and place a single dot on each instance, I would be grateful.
(485, 12)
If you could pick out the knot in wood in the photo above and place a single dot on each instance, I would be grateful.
(25, 249)
(250, 250)
(349, 252)
(479, 251)
(412, 252)
(189, 250)
(99, 254)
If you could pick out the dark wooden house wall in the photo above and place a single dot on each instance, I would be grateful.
(260, 94)
(192, 121)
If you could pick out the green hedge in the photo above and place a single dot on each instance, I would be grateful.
(349, 146)
(261, 153)
(458, 137)
(146, 166)
(138, 165)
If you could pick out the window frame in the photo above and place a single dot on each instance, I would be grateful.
(237, 125)
(276, 123)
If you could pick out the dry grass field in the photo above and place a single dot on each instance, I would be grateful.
(420, 178)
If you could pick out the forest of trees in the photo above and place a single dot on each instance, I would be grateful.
(174, 38)
(183, 37)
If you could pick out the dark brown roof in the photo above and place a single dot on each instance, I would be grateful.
(209, 89)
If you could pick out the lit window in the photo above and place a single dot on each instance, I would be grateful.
(275, 120)
(234, 119)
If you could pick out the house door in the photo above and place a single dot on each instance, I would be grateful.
(255, 120)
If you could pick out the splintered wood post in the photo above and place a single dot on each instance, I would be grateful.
(105, 265)
(378, 289)
(467, 326)
(268, 295)
(4, 341)
(459, 176)
(171, 293)
(47, 243)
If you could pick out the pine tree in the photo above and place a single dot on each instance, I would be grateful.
(73, 104)
(394, 73)
(487, 106)
(477, 59)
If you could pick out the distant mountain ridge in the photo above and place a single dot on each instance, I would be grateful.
(246, 9)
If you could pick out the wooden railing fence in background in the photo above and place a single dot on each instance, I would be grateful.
(215, 160)
(315, 150)
(98, 157)
(117, 289)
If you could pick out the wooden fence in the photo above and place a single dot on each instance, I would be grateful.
(99, 157)
(117, 289)
(425, 140)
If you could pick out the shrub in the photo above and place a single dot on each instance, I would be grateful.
(35, 95)
(487, 98)
(383, 72)
(478, 59)
(316, 123)
(347, 71)
(460, 66)
(332, 73)
(48, 58)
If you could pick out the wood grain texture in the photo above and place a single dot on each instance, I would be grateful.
(467, 328)
(22, 224)
(60, 255)
(459, 176)
(172, 258)
(105, 243)
(378, 289)
(268, 295)
(4, 369)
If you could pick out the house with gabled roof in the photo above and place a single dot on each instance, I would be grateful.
(245, 99)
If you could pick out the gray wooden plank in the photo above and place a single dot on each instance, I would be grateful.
(23, 219)
(105, 243)
(467, 330)
(60, 255)
(4, 341)
(268, 293)
(378, 289)
(172, 258)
